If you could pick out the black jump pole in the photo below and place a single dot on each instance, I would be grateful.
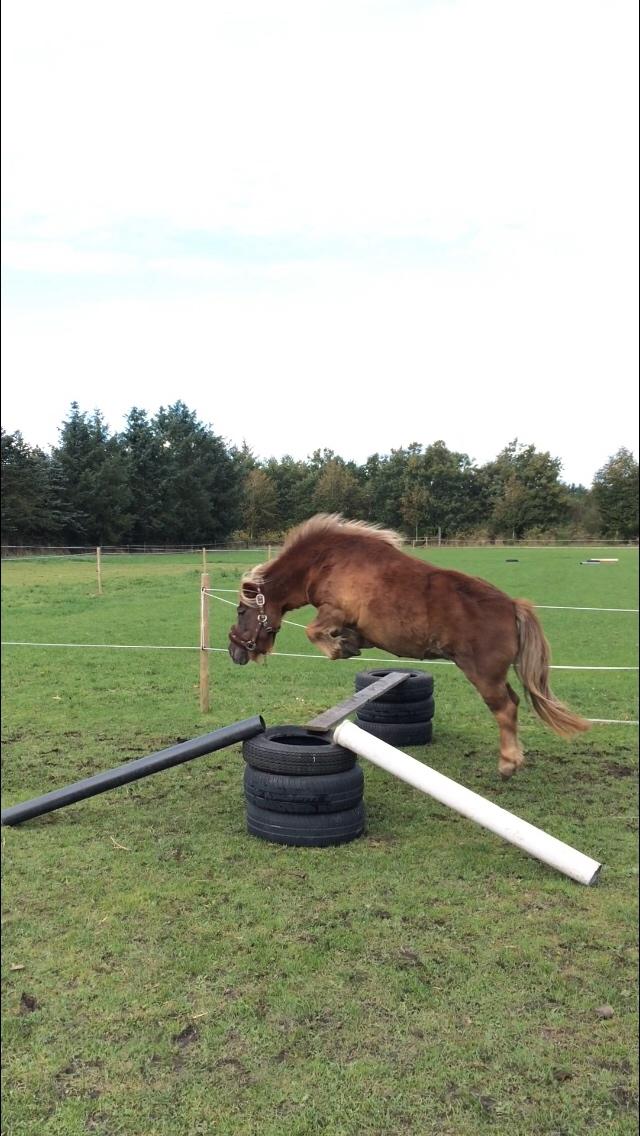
(133, 770)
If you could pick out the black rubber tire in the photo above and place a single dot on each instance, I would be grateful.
(403, 712)
(296, 751)
(397, 734)
(310, 831)
(415, 688)
(331, 793)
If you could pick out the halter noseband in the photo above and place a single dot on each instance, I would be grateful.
(262, 625)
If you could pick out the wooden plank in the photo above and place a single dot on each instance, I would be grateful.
(336, 714)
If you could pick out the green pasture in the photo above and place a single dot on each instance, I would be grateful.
(165, 974)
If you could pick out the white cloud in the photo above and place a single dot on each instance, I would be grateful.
(61, 259)
(351, 362)
(349, 118)
(505, 134)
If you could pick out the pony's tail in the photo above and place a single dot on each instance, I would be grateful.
(532, 667)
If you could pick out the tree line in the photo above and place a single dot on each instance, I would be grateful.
(169, 479)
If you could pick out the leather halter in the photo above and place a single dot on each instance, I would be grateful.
(261, 625)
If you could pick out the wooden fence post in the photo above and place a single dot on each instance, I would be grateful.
(99, 569)
(204, 643)
(204, 559)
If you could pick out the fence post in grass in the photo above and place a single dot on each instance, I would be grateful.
(99, 569)
(204, 643)
(204, 559)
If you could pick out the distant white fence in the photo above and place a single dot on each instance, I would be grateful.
(41, 551)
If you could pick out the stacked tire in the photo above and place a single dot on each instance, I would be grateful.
(302, 789)
(404, 717)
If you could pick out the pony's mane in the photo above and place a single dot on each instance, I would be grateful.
(324, 524)
(253, 576)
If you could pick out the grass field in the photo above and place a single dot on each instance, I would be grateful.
(165, 974)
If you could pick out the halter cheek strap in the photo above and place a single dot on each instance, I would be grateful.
(263, 625)
(263, 618)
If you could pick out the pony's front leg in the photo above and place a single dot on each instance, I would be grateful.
(331, 634)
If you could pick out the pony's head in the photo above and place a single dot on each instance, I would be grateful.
(254, 632)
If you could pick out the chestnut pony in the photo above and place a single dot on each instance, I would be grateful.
(368, 593)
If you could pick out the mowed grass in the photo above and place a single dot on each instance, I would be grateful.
(165, 974)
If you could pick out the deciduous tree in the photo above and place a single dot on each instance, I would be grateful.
(615, 490)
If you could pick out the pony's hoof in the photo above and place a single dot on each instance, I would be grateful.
(507, 769)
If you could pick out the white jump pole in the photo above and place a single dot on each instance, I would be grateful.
(519, 832)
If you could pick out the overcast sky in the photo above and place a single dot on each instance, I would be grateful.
(351, 225)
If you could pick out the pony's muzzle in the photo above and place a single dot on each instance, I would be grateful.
(239, 654)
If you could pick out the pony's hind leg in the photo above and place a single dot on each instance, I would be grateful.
(502, 701)
(331, 634)
(504, 707)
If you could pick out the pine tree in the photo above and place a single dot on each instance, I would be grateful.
(32, 505)
(142, 461)
(93, 480)
(200, 480)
